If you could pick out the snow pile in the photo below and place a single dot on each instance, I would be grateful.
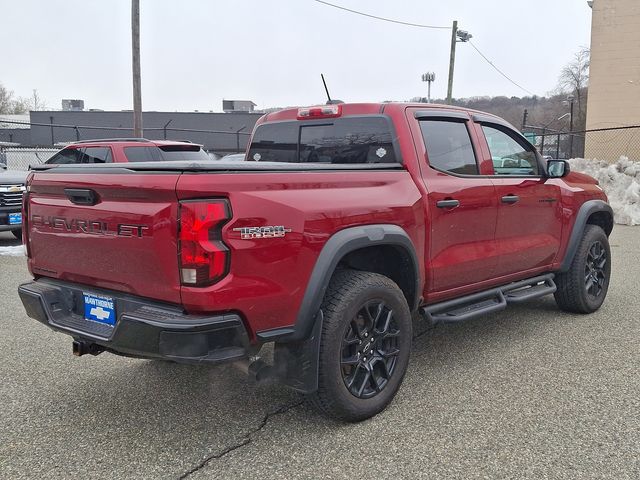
(621, 183)
(15, 251)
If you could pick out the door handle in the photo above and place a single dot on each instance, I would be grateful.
(510, 199)
(81, 196)
(447, 203)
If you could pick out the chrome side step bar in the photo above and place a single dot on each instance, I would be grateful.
(489, 301)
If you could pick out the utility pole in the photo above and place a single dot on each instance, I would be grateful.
(456, 36)
(135, 61)
(429, 77)
(525, 115)
(452, 61)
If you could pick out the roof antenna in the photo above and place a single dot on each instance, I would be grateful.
(326, 89)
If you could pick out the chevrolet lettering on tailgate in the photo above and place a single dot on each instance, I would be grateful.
(92, 227)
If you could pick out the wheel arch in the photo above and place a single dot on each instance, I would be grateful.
(296, 352)
(362, 248)
(592, 212)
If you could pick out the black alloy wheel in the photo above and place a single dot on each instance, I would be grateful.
(370, 349)
(594, 271)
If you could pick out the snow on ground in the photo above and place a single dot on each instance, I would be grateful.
(15, 251)
(621, 183)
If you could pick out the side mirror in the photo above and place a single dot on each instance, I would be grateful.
(558, 168)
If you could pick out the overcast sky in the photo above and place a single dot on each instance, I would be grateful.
(197, 52)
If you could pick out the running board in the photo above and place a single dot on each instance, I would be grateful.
(489, 301)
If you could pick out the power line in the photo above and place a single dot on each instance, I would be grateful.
(419, 25)
(498, 70)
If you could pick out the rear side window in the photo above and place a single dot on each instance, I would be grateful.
(165, 153)
(96, 155)
(449, 146)
(66, 156)
(349, 140)
(142, 154)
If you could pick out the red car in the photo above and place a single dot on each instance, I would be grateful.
(343, 222)
(117, 150)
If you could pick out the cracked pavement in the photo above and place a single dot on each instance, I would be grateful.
(530, 392)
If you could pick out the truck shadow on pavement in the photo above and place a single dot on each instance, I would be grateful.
(8, 240)
(185, 416)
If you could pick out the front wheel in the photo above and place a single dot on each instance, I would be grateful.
(364, 345)
(584, 287)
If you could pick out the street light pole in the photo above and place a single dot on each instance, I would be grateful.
(429, 77)
(135, 62)
(571, 99)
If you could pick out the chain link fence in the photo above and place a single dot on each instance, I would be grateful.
(602, 143)
(216, 142)
(20, 158)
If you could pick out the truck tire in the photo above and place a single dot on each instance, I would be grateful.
(17, 234)
(583, 288)
(364, 345)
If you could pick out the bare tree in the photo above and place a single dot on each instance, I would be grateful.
(9, 104)
(36, 102)
(6, 100)
(574, 79)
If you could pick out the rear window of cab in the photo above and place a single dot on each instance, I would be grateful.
(346, 140)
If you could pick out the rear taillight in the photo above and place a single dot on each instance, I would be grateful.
(322, 111)
(204, 258)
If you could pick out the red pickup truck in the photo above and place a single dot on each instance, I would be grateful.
(343, 222)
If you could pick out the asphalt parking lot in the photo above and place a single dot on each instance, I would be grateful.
(527, 393)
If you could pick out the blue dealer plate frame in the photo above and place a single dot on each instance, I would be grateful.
(15, 219)
(99, 308)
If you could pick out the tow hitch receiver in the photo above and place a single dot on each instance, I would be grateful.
(82, 348)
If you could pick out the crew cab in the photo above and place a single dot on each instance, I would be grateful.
(343, 222)
(121, 150)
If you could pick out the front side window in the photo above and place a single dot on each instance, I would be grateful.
(349, 140)
(510, 156)
(449, 147)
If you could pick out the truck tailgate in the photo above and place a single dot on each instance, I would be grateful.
(115, 231)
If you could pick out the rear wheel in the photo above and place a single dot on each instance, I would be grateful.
(584, 287)
(365, 345)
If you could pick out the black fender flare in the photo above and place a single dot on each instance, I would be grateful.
(297, 348)
(586, 210)
(339, 245)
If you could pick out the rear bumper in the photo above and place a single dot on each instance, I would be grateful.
(143, 329)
